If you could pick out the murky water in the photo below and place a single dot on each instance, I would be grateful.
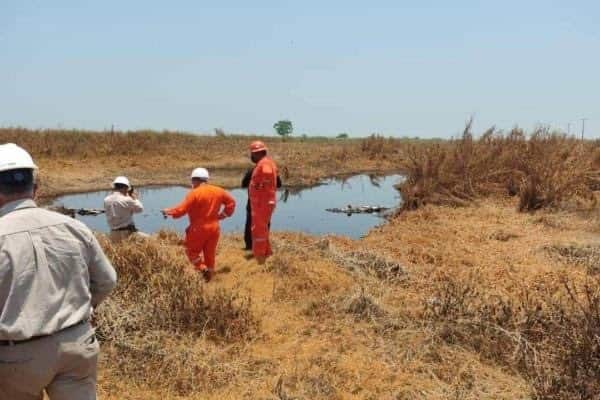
(303, 210)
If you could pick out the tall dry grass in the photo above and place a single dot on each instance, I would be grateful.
(158, 313)
(50, 143)
(90, 144)
(548, 332)
(543, 169)
(159, 291)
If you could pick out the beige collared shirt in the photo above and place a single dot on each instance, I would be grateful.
(120, 209)
(52, 271)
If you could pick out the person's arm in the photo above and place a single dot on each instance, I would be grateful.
(103, 277)
(135, 205)
(181, 209)
(6, 271)
(247, 178)
(229, 204)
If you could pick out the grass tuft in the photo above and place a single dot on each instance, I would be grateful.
(548, 332)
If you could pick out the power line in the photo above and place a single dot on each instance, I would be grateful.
(583, 127)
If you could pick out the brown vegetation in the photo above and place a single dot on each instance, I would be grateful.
(159, 308)
(544, 169)
(508, 287)
(75, 161)
(440, 303)
(548, 331)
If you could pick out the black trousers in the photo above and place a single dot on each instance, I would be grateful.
(248, 228)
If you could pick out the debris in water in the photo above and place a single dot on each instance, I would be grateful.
(349, 209)
(72, 211)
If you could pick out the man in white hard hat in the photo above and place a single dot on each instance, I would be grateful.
(52, 273)
(120, 206)
(205, 206)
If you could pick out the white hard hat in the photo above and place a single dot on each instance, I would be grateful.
(122, 180)
(200, 173)
(14, 157)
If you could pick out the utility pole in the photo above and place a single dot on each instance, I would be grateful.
(583, 127)
(568, 128)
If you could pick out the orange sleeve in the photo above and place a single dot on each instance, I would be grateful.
(229, 203)
(182, 208)
(267, 169)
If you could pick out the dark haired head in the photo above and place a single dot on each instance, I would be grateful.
(16, 181)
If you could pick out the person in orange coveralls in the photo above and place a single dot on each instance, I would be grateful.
(205, 206)
(262, 193)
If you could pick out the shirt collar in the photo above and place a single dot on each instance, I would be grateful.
(17, 205)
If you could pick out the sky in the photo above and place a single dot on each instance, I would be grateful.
(398, 68)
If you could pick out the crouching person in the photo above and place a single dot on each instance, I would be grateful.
(120, 206)
(52, 273)
(205, 206)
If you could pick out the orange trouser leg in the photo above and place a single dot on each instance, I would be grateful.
(210, 249)
(195, 255)
(195, 240)
(261, 219)
(201, 246)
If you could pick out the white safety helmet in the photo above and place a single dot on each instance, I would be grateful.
(15, 157)
(121, 180)
(200, 173)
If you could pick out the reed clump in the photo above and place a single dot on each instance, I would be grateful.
(161, 310)
(377, 146)
(160, 291)
(544, 169)
(547, 332)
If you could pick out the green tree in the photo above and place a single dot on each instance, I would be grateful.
(342, 136)
(284, 128)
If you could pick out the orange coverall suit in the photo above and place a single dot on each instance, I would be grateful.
(203, 206)
(262, 193)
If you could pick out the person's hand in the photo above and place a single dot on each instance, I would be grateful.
(133, 195)
(222, 216)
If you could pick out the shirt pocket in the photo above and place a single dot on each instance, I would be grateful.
(61, 254)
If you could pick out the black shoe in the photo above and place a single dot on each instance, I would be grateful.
(207, 274)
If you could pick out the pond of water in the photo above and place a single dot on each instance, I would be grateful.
(302, 210)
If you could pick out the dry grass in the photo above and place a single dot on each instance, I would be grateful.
(548, 331)
(325, 330)
(159, 291)
(75, 161)
(508, 287)
(543, 169)
(150, 325)
(587, 256)
(441, 303)
(477, 302)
